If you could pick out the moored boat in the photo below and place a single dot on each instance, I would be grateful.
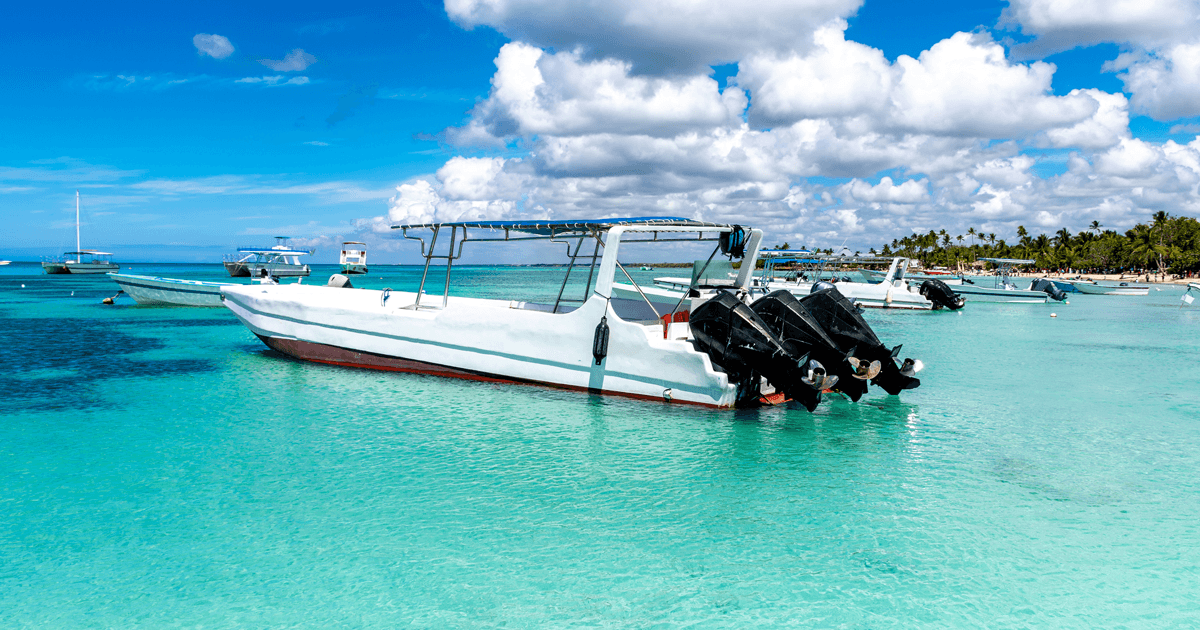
(597, 342)
(1004, 290)
(354, 258)
(1096, 288)
(80, 261)
(280, 261)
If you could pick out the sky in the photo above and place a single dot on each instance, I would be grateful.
(193, 129)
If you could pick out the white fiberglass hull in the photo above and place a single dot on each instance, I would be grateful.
(1102, 289)
(147, 290)
(488, 340)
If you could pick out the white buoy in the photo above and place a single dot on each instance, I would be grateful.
(1053, 314)
(22, 286)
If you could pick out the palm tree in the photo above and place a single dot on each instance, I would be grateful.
(1063, 237)
(1095, 226)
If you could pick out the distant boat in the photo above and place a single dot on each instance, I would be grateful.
(1005, 290)
(5, 262)
(354, 259)
(1095, 288)
(279, 261)
(85, 260)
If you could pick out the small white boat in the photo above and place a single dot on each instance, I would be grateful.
(154, 290)
(1095, 288)
(1003, 290)
(354, 257)
(893, 292)
(5, 262)
(596, 343)
(948, 277)
(280, 261)
(81, 261)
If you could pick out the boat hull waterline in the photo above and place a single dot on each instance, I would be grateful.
(480, 339)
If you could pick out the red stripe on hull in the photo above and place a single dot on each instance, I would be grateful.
(333, 355)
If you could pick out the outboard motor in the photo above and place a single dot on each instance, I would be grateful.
(822, 285)
(941, 295)
(1042, 284)
(846, 327)
(737, 340)
(339, 281)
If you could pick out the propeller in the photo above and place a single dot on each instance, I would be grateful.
(911, 366)
(864, 371)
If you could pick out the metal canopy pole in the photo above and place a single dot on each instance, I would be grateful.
(449, 262)
(428, 258)
(567, 277)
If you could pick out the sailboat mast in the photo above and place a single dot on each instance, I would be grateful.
(77, 223)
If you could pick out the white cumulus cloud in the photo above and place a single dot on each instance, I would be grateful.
(294, 61)
(215, 46)
(656, 36)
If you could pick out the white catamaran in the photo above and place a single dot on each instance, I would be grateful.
(721, 353)
(81, 260)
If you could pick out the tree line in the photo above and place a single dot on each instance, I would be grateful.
(1165, 245)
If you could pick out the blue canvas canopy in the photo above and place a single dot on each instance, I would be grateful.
(546, 228)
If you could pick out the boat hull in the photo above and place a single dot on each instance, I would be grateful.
(477, 339)
(151, 290)
(351, 269)
(79, 268)
(1102, 289)
(975, 293)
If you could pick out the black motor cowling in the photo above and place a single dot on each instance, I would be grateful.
(742, 344)
(941, 295)
(843, 323)
(1041, 284)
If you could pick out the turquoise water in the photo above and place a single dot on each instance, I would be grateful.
(160, 467)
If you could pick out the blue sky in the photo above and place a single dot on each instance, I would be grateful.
(182, 155)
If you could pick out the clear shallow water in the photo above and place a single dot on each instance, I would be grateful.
(160, 467)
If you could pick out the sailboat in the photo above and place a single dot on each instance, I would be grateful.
(81, 260)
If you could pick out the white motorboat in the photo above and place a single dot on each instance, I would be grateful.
(948, 277)
(354, 257)
(893, 292)
(81, 261)
(1095, 288)
(1004, 290)
(147, 290)
(280, 261)
(5, 262)
(721, 354)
